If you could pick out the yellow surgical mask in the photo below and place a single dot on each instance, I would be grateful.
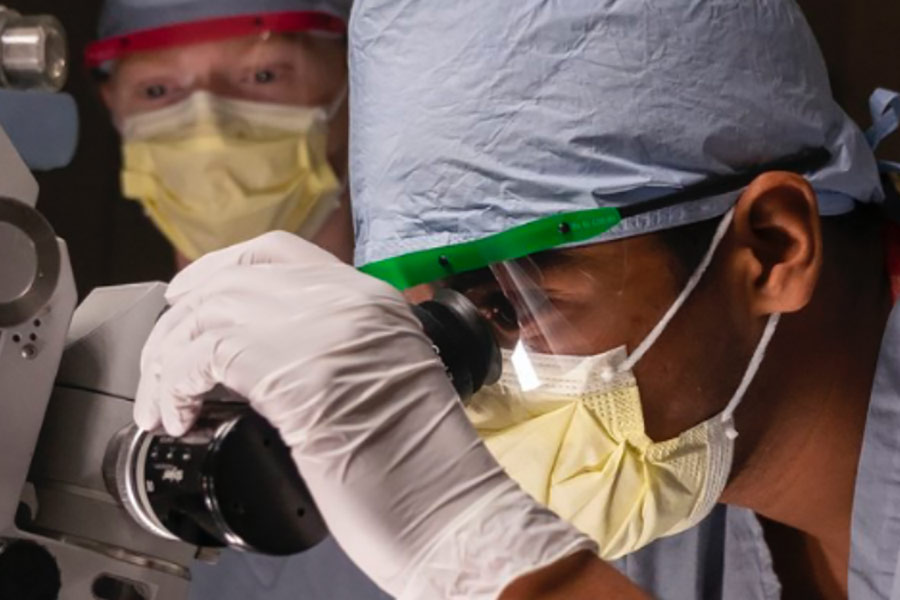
(211, 172)
(570, 430)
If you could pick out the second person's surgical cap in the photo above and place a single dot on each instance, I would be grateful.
(471, 117)
(134, 25)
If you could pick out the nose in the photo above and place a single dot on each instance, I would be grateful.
(216, 82)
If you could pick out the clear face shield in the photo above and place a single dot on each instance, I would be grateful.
(546, 288)
(566, 417)
(297, 68)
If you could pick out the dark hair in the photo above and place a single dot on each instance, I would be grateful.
(688, 243)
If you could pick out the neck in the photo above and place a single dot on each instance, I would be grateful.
(801, 426)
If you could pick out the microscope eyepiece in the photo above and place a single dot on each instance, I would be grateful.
(463, 340)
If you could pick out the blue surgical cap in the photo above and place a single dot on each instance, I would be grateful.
(123, 17)
(471, 117)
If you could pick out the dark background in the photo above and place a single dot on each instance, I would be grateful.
(111, 242)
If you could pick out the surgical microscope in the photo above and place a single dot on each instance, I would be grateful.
(91, 507)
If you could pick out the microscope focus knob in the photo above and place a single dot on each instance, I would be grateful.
(27, 571)
(30, 264)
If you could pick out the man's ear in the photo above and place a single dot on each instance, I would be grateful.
(778, 242)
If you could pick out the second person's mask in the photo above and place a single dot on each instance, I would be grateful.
(211, 172)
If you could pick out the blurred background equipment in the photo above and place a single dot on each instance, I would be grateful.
(33, 52)
(61, 534)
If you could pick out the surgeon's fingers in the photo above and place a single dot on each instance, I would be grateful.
(183, 318)
(191, 371)
(188, 375)
(270, 248)
(146, 402)
(173, 317)
(160, 361)
(146, 412)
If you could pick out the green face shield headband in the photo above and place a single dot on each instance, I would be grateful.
(565, 229)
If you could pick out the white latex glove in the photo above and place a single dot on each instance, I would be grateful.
(339, 364)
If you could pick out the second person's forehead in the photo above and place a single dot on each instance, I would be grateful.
(231, 53)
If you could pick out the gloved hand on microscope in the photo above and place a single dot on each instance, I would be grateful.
(338, 363)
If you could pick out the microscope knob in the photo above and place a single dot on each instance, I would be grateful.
(28, 571)
(30, 263)
(33, 52)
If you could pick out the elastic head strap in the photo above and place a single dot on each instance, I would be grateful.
(654, 334)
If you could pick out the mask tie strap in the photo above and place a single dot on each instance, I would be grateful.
(749, 374)
(885, 108)
(654, 334)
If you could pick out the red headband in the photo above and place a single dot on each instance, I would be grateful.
(180, 34)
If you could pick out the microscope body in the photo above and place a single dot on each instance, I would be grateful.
(66, 386)
(91, 401)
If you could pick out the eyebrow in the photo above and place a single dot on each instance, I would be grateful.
(276, 43)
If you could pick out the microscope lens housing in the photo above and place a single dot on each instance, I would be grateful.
(231, 480)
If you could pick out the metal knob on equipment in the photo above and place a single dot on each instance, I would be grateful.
(33, 52)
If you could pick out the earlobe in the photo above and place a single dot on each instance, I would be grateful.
(779, 242)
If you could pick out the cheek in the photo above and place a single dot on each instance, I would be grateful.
(599, 321)
(124, 108)
(694, 368)
(625, 314)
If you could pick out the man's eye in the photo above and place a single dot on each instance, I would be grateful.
(155, 91)
(500, 311)
(264, 76)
